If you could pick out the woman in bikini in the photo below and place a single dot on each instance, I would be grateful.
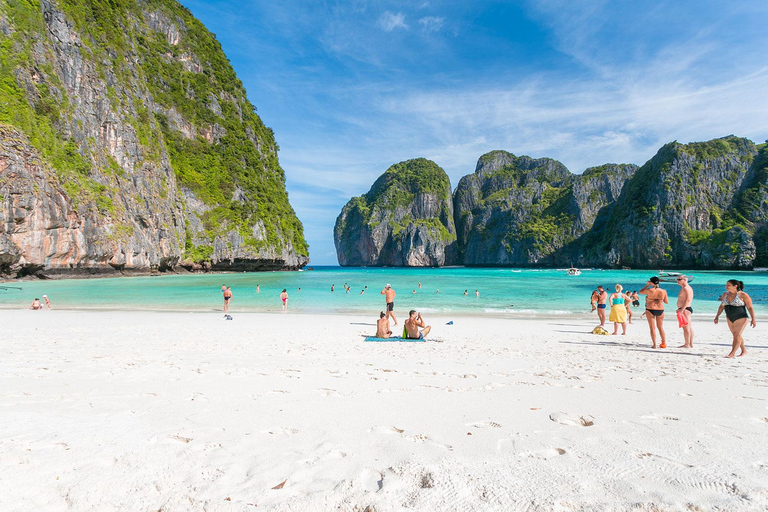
(735, 303)
(284, 298)
(655, 298)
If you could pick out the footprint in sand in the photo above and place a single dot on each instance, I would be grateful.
(417, 438)
(658, 417)
(278, 430)
(483, 424)
(566, 419)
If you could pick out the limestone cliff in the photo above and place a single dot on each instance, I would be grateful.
(521, 211)
(128, 143)
(694, 205)
(405, 219)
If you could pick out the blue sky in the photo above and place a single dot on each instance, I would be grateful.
(351, 87)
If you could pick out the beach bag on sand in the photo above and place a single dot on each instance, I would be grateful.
(600, 330)
(681, 320)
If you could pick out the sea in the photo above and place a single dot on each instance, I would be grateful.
(503, 292)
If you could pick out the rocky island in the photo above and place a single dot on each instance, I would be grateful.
(127, 144)
(697, 205)
(405, 219)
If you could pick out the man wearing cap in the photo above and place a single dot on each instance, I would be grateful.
(389, 295)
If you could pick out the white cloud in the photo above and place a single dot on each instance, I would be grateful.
(390, 21)
(431, 23)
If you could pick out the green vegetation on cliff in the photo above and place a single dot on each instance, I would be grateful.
(169, 79)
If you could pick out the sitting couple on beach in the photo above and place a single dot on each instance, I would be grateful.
(412, 326)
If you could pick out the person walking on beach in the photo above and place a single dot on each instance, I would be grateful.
(654, 306)
(382, 326)
(684, 301)
(602, 296)
(389, 297)
(227, 298)
(412, 326)
(735, 302)
(284, 299)
(619, 310)
(47, 302)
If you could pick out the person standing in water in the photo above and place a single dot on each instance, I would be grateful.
(284, 299)
(258, 288)
(419, 285)
(477, 294)
(735, 302)
(684, 301)
(227, 298)
(602, 296)
(619, 310)
(333, 286)
(389, 297)
(655, 298)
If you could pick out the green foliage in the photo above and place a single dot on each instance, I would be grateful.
(417, 176)
(116, 36)
(713, 149)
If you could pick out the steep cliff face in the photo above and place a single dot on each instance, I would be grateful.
(691, 205)
(521, 211)
(405, 219)
(128, 143)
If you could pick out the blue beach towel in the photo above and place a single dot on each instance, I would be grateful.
(373, 338)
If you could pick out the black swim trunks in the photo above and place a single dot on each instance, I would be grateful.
(655, 312)
(689, 308)
(390, 306)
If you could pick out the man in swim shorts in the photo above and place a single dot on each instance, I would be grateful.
(382, 326)
(412, 326)
(227, 298)
(602, 296)
(389, 297)
(684, 301)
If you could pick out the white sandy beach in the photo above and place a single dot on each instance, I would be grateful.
(174, 412)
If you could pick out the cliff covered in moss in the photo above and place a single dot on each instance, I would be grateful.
(697, 205)
(405, 219)
(128, 143)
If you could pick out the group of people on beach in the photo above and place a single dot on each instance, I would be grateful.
(37, 305)
(412, 324)
(735, 302)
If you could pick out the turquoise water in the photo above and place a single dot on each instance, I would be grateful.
(503, 292)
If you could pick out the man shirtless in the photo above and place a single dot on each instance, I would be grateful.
(389, 296)
(382, 326)
(412, 326)
(684, 301)
(602, 296)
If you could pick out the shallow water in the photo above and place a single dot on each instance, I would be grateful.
(503, 291)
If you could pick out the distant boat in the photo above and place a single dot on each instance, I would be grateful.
(671, 277)
(760, 269)
(573, 271)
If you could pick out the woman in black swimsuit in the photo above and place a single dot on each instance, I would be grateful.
(655, 298)
(735, 303)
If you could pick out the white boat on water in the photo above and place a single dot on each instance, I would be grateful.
(671, 277)
(573, 272)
